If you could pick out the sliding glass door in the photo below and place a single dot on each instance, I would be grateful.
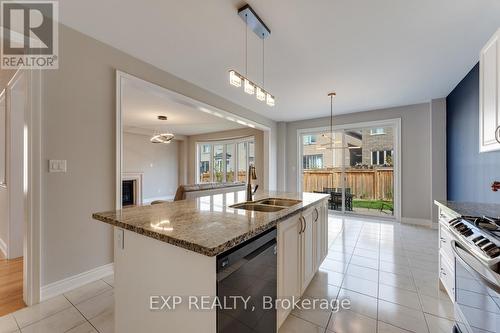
(354, 166)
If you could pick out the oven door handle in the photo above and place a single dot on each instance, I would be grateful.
(456, 250)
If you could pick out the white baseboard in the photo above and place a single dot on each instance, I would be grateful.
(3, 248)
(62, 286)
(421, 222)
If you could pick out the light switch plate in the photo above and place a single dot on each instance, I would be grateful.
(57, 165)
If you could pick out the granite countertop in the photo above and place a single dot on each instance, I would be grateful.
(471, 208)
(206, 225)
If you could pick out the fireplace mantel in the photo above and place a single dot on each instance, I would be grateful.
(137, 178)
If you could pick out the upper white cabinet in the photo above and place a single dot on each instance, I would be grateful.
(489, 90)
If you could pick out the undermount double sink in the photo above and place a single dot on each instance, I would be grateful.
(268, 205)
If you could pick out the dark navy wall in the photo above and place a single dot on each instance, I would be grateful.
(470, 173)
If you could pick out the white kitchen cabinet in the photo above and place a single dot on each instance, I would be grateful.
(308, 247)
(289, 261)
(446, 256)
(302, 247)
(320, 232)
(489, 94)
(324, 232)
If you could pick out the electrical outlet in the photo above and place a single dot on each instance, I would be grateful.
(57, 165)
(120, 238)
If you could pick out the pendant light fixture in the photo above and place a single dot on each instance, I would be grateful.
(330, 145)
(162, 137)
(253, 21)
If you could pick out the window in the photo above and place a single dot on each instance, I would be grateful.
(381, 157)
(225, 161)
(204, 162)
(377, 131)
(312, 161)
(205, 149)
(309, 139)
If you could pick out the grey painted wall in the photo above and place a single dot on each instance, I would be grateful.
(159, 164)
(415, 147)
(79, 126)
(438, 154)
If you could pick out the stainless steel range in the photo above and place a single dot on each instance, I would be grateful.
(476, 249)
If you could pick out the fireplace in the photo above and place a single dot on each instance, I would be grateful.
(131, 189)
(128, 193)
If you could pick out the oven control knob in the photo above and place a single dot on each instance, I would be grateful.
(493, 253)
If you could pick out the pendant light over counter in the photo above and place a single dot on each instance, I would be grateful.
(331, 144)
(236, 79)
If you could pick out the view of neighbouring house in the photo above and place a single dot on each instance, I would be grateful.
(358, 160)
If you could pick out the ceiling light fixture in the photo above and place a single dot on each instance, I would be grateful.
(332, 144)
(253, 21)
(162, 137)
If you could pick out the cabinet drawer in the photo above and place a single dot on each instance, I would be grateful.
(447, 276)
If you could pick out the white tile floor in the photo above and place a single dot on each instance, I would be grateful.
(390, 274)
(388, 271)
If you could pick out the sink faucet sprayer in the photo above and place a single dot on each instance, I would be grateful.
(251, 175)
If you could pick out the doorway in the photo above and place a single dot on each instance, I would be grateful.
(357, 165)
(20, 179)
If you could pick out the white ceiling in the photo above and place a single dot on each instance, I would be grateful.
(373, 53)
(143, 103)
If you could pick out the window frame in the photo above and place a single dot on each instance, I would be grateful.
(312, 158)
(388, 152)
(375, 131)
(309, 142)
(224, 143)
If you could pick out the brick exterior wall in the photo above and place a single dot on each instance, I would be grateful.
(369, 142)
(376, 142)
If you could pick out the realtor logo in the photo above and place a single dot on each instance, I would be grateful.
(29, 34)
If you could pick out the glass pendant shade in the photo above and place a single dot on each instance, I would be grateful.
(234, 79)
(260, 94)
(249, 87)
(162, 138)
(270, 100)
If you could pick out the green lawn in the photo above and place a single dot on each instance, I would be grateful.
(373, 204)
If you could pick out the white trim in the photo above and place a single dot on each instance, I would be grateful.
(397, 159)
(415, 221)
(3, 248)
(167, 197)
(137, 177)
(62, 286)
(32, 252)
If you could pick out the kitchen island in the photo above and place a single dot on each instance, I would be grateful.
(171, 250)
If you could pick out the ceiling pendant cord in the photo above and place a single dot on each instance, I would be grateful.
(332, 94)
(263, 61)
(331, 121)
(246, 45)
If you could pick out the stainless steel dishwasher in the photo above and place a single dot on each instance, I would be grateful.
(246, 279)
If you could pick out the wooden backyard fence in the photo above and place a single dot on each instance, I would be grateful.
(370, 184)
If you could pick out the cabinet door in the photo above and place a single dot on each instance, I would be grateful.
(318, 233)
(289, 260)
(307, 235)
(489, 93)
(324, 224)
